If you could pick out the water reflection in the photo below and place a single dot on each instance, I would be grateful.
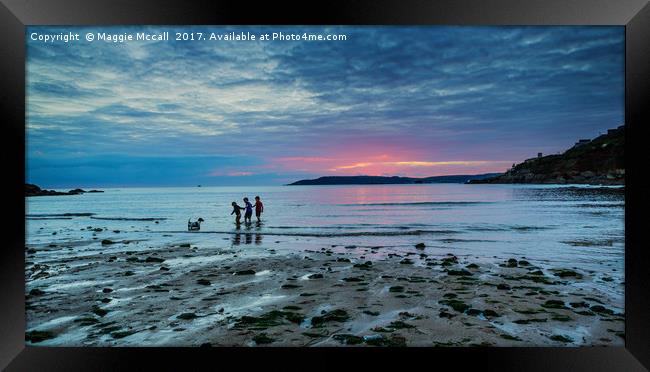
(569, 193)
(248, 235)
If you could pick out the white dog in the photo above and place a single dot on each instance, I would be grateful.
(196, 225)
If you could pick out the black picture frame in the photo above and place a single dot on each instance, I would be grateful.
(16, 14)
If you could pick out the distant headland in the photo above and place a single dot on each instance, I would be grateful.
(395, 180)
(33, 190)
(599, 161)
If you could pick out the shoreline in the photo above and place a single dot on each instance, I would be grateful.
(302, 293)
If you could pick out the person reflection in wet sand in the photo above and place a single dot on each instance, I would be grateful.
(236, 239)
(258, 236)
(249, 238)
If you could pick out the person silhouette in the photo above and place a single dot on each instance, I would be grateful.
(236, 210)
(249, 211)
(259, 208)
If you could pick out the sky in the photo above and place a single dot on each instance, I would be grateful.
(412, 101)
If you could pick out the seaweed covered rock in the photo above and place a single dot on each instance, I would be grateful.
(457, 305)
(348, 339)
(154, 259)
(461, 272)
(262, 339)
(338, 315)
(270, 319)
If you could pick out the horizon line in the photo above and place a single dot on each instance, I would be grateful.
(242, 185)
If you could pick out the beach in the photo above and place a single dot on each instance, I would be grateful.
(456, 274)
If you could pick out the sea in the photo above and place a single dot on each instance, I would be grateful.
(570, 226)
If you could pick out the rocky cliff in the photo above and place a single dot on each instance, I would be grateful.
(599, 162)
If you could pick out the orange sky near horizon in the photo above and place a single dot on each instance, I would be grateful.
(382, 164)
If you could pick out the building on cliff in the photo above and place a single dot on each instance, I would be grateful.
(582, 142)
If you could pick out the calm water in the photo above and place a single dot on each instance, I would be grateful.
(579, 227)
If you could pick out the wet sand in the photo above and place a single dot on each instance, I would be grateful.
(238, 291)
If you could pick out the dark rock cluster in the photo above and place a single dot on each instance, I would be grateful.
(33, 190)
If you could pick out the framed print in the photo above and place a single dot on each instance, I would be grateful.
(375, 181)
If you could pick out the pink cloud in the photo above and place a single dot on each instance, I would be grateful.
(306, 159)
(240, 173)
(218, 173)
